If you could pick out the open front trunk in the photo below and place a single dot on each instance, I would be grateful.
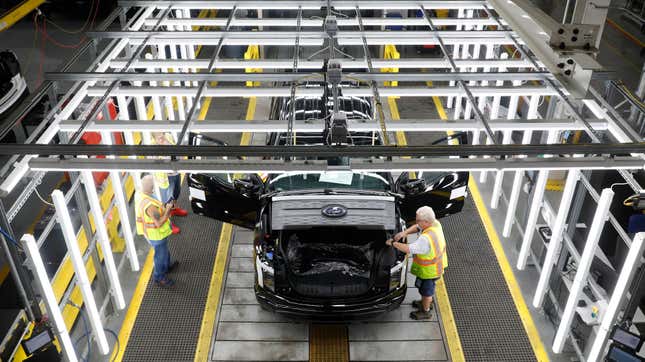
(333, 262)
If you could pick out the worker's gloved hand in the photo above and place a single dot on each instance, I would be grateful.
(399, 236)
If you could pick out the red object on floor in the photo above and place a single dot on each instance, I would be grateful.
(178, 211)
(175, 229)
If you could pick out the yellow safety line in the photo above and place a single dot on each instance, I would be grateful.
(133, 308)
(441, 294)
(448, 321)
(214, 293)
(627, 34)
(18, 12)
(516, 293)
(4, 272)
(217, 278)
(250, 114)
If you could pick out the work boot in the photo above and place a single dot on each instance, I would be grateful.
(420, 315)
(178, 211)
(165, 282)
(173, 266)
(417, 305)
(175, 229)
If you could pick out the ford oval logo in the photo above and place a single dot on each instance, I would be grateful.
(334, 211)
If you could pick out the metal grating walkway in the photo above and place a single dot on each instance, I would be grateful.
(487, 320)
(169, 320)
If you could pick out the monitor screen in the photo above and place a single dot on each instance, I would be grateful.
(616, 354)
(37, 342)
(626, 338)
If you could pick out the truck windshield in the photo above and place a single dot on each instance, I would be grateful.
(330, 180)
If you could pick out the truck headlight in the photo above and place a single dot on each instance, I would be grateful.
(265, 274)
(397, 274)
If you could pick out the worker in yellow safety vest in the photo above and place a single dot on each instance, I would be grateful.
(169, 183)
(152, 220)
(429, 258)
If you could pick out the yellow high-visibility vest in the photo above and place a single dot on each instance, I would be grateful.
(432, 264)
(145, 224)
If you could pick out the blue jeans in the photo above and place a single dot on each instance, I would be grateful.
(174, 187)
(161, 259)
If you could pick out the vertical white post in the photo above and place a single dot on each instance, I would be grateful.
(156, 104)
(128, 136)
(181, 111)
(499, 175)
(517, 178)
(103, 239)
(126, 226)
(170, 112)
(482, 107)
(515, 192)
(494, 109)
(83, 281)
(584, 265)
(534, 211)
(557, 231)
(29, 244)
(622, 285)
(191, 52)
(122, 208)
(506, 137)
(455, 55)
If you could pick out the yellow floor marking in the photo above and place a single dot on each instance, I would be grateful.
(516, 293)
(214, 292)
(250, 114)
(627, 34)
(328, 343)
(448, 321)
(394, 112)
(441, 294)
(133, 308)
(217, 278)
(4, 272)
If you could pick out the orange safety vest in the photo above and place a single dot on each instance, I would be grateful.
(432, 264)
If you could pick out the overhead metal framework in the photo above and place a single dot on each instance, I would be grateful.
(153, 55)
(157, 62)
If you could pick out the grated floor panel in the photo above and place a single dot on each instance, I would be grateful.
(489, 325)
(169, 320)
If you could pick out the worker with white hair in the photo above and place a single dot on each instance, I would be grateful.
(152, 219)
(429, 258)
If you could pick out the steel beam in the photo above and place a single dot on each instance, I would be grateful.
(617, 150)
(305, 5)
(316, 92)
(309, 23)
(377, 165)
(303, 64)
(268, 126)
(289, 77)
(309, 38)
